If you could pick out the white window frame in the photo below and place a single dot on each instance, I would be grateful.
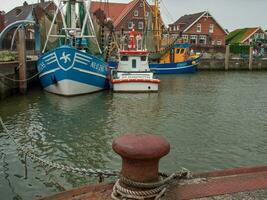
(140, 25)
(199, 28)
(211, 28)
(204, 38)
(219, 43)
(132, 25)
(136, 13)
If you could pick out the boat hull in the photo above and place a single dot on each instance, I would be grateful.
(68, 71)
(189, 66)
(135, 86)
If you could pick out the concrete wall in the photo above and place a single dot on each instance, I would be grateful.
(10, 69)
(234, 64)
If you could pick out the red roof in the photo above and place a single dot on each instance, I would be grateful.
(115, 11)
(112, 10)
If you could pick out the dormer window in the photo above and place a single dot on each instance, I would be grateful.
(199, 28)
(136, 13)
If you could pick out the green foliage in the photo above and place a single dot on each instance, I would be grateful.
(6, 56)
(239, 49)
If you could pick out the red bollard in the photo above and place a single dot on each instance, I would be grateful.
(140, 156)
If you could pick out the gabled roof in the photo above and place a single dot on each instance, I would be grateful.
(241, 35)
(190, 20)
(112, 10)
(187, 20)
(23, 12)
(115, 11)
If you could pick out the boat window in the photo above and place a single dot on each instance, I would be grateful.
(143, 58)
(182, 51)
(124, 58)
(177, 51)
(134, 63)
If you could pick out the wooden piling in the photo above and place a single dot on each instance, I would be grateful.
(22, 61)
(250, 58)
(227, 57)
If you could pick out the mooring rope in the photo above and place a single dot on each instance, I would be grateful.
(24, 80)
(81, 171)
(146, 190)
(123, 189)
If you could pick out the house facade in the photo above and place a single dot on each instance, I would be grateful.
(199, 29)
(2, 20)
(125, 16)
(246, 36)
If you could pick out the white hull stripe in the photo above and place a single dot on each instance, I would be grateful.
(84, 63)
(53, 54)
(50, 58)
(52, 61)
(173, 68)
(83, 56)
(49, 72)
(89, 72)
(82, 59)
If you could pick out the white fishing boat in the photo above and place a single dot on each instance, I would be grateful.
(133, 73)
(76, 65)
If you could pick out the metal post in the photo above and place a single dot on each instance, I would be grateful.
(227, 57)
(250, 58)
(22, 61)
(140, 156)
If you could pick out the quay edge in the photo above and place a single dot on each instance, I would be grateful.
(237, 183)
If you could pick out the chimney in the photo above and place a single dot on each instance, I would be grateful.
(25, 3)
(42, 1)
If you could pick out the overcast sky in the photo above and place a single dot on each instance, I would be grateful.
(231, 14)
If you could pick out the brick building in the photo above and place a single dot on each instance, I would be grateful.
(125, 16)
(2, 20)
(199, 29)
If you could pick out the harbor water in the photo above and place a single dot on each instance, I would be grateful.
(213, 120)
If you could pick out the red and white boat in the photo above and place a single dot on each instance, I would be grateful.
(133, 73)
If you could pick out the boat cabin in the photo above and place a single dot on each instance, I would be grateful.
(178, 53)
(133, 58)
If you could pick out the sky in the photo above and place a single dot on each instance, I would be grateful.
(230, 14)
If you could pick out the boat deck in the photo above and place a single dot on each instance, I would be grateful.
(239, 183)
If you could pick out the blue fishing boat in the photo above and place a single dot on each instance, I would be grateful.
(177, 60)
(74, 67)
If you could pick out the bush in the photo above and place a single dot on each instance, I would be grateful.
(6, 56)
(239, 49)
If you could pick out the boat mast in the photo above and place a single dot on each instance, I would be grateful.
(157, 25)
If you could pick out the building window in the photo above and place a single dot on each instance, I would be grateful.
(193, 39)
(141, 5)
(219, 42)
(147, 13)
(213, 42)
(130, 25)
(211, 28)
(202, 40)
(136, 13)
(177, 27)
(170, 28)
(199, 28)
(185, 37)
(140, 25)
(174, 28)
